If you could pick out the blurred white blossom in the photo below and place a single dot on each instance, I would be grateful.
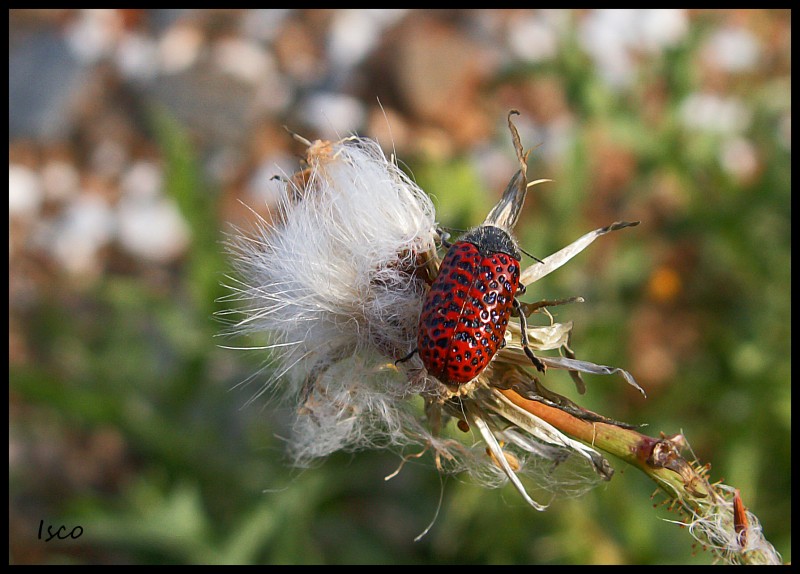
(332, 114)
(24, 191)
(733, 48)
(711, 112)
(613, 37)
(83, 229)
(533, 38)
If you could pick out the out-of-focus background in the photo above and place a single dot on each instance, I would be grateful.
(135, 136)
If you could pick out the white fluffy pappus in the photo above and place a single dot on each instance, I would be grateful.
(332, 284)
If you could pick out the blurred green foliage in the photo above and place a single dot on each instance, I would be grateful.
(204, 481)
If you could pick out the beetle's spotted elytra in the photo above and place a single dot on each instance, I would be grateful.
(468, 307)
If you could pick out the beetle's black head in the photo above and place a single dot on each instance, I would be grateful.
(490, 240)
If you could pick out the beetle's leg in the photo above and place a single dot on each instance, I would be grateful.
(407, 357)
(528, 308)
(443, 238)
(523, 325)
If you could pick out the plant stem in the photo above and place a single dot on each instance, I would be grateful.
(716, 514)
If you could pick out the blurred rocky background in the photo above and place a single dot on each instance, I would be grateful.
(137, 138)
